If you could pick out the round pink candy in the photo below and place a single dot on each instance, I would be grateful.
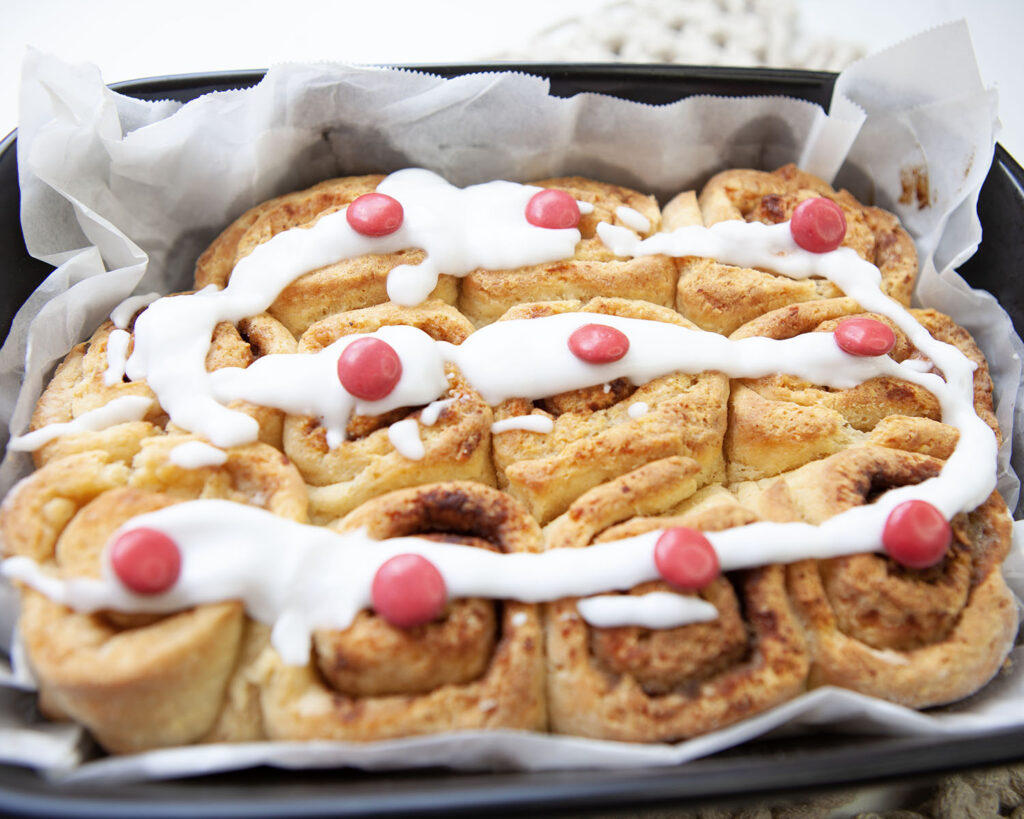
(369, 368)
(408, 590)
(818, 225)
(686, 559)
(598, 343)
(146, 560)
(864, 337)
(916, 534)
(375, 214)
(552, 209)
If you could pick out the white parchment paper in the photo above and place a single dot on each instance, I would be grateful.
(123, 195)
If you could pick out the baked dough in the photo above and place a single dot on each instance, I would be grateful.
(615, 459)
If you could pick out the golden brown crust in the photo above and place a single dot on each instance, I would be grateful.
(708, 453)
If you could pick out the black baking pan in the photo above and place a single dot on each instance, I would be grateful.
(770, 768)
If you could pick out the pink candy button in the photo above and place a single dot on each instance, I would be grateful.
(375, 214)
(916, 534)
(864, 337)
(818, 225)
(145, 560)
(408, 590)
(552, 209)
(369, 368)
(598, 343)
(686, 559)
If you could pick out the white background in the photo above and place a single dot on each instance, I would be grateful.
(129, 39)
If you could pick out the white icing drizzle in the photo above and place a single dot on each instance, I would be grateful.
(196, 455)
(299, 578)
(528, 423)
(122, 314)
(117, 355)
(652, 610)
(637, 409)
(460, 229)
(632, 218)
(968, 476)
(119, 411)
(307, 384)
(655, 349)
(405, 437)
(922, 365)
(432, 411)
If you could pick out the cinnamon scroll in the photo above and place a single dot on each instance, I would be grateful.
(780, 422)
(136, 681)
(644, 685)
(918, 637)
(347, 284)
(721, 297)
(480, 664)
(92, 377)
(607, 430)
(447, 440)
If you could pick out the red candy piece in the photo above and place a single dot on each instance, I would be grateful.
(686, 559)
(865, 337)
(145, 560)
(916, 535)
(598, 343)
(369, 368)
(552, 209)
(818, 225)
(408, 590)
(375, 214)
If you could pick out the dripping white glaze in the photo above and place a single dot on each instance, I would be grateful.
(432, 411)
(968, 476)
(527, 423)
(655, 610)
(196, 455)
(121, 315)
(460, 229)
(297, 578)
(119, 411)
(117, 355)
(192, 398)
(307, 384)
(405, 438)
(632, 218)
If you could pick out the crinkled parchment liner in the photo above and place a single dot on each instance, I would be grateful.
(123, 195)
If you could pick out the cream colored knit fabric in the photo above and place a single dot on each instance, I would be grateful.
(694, 32)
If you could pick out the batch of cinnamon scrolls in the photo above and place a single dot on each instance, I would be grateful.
(413, 458)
